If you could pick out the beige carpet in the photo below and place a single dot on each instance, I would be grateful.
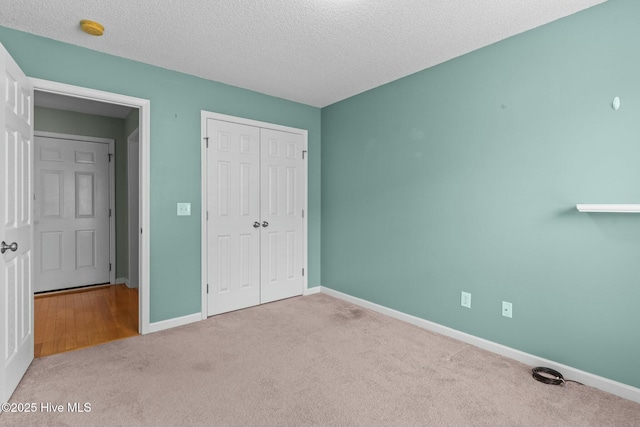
(304, 361)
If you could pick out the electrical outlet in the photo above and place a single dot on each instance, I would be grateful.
(184, 209)
(465, 299)
(507, 309)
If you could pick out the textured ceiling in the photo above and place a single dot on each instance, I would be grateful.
(316, 52)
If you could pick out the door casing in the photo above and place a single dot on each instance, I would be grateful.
(204, 250)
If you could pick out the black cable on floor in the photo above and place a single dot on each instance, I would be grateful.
(556, 377)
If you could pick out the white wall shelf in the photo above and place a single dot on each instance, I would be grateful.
(625, 208)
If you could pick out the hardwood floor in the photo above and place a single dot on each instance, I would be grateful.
(85, 317)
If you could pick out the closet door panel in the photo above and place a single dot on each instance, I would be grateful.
(282, 195)
(233, 205)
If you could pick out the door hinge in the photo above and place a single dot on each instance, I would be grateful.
(206, 138)
(207, 215)
(109, 157)
(207, 288)
(109, 266)
(303, 153)
(141, 231)
(303, 271)
(302, 213)
(109, 212)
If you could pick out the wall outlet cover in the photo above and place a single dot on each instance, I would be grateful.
(507, 309)
(184, 209)
(465, 299)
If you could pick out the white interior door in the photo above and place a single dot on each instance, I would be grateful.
(16, 229)
(71, 213)
(283, 183)
(233, 231)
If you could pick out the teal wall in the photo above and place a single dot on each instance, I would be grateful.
(52, 120)
(465, 177)
(131, 123)
(176, 102)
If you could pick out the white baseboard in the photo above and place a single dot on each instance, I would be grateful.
(311, 291)
(619, 389)
(172, 323)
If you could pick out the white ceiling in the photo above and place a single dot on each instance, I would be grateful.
(316, 52)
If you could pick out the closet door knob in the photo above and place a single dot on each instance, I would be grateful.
(256, 224)
(265, 224)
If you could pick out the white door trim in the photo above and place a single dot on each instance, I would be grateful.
(144, 106)
(203, 170)
(112, 188)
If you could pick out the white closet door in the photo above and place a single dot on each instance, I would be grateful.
(71, 213)
(282, 201)
(233, 231)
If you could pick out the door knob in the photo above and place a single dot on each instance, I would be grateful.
(256, 224)
(12, 247)
(265, 224)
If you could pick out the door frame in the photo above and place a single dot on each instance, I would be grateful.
(204, 116)
(144, 126)
(112, 187)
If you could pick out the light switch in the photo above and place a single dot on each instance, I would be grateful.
(184, 209)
